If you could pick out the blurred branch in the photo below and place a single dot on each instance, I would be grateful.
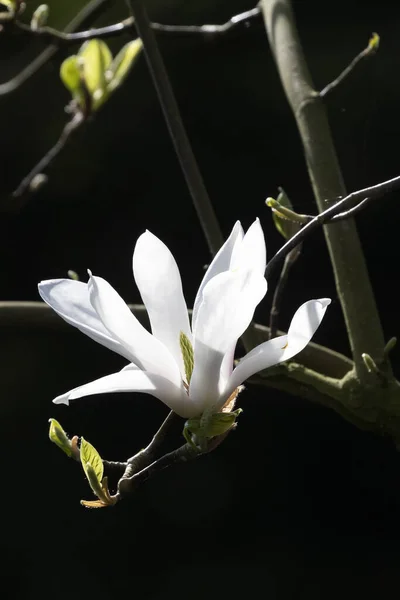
(371, 49)
(28, 181)
(64, 38)
(339, 211)
(180, 140)
(83, 18)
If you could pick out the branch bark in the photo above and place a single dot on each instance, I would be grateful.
(350, 271)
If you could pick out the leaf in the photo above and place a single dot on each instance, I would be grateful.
(71, 77)
(90, 456)
(58, 436)
(94, 59)
(39, 17)
(122, 63)
(219, 423)
(286, 228)
(95, 483)
(187, 354)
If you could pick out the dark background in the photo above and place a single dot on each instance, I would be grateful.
(296, 503)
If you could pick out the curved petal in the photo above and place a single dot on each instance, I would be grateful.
(143, 348)
(251, 253)
(133, 380)
(157, 277)
(229, 301)
(70, 300)
(220, 263)
(303, 326)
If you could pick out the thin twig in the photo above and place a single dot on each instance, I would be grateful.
(368, 51)
(290, 259)
(68, 130)
(201, 201)
(83, 18)
(63, 38)
(325, 217)
(127, 485)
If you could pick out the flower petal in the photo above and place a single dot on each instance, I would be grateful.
(220, 263)
(251, 253)
(70, 300)
(229, 301)
(303, 326)
(157, 277)
(144, 349)
(134, 380)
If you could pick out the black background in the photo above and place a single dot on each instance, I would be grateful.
(296, 503)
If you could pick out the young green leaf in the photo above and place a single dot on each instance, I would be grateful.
(90, 457)
(95, 58)
(71, 78)
(58, 436)
(122, 63)
(39, 17)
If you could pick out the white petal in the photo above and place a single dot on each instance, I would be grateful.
(143, 348)
(220, 263)
(229, 301)
(251, 253)
(133, 380)
(157, 277)
(70, 300)
(303, 326)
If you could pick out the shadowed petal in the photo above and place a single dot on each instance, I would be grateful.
(229, 301)
(220, 263)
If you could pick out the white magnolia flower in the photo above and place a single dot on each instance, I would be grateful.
(232, 287)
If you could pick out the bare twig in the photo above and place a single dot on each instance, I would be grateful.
(368, 51)
(338, 209)
(68, 130)
(86, 15)
(64, 38)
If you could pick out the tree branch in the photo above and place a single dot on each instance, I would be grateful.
(65, 39)
(368, 51)
(289, 261)
(351, 276)
(331, 215)
(66, 134)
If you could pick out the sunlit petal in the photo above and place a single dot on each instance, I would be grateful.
(70, 300)
(157, 277)
(134, 380)
(303, 326)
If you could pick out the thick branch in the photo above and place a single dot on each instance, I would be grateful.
(351, 277)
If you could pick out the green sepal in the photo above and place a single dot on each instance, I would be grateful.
(122, 64)
(187, 355)
(39, 17)
(215, 425)
(58, 436)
